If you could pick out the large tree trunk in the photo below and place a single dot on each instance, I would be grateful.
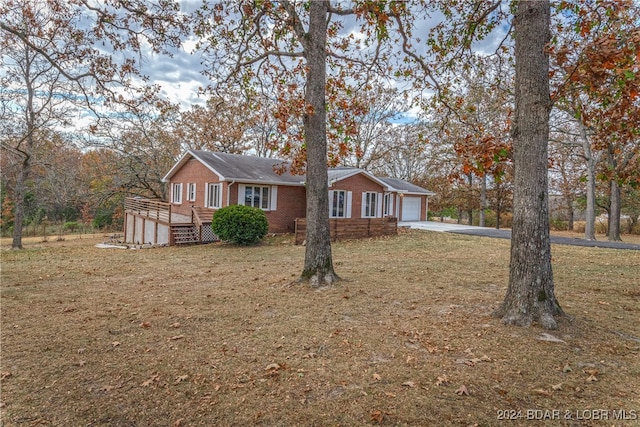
(499, 197)
(614, 199)
(614, 212)
(483, 199)
(318, 262)
(470, 199)
(530, 296)
(592, 160)
(19, 193)
(570, 216)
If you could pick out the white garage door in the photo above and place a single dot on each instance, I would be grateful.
(411, 209)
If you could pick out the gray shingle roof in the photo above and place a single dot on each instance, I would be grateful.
(403, 186)
(240, 168)
(249, 169)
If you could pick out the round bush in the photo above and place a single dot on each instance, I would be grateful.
(239, 224)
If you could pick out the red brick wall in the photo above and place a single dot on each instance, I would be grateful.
(195, 172)
(291, 200)
(290, 204)
(357, 184)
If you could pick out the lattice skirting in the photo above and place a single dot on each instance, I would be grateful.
(207, 234)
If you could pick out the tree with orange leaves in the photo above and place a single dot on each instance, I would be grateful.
(597, 62)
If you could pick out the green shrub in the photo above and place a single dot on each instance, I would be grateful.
(239, 224)
(71, 225)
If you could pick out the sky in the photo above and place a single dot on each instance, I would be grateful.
(180, 76)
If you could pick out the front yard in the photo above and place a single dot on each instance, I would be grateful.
(217, 335)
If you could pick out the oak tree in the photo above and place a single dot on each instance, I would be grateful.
(530, 295)
(285, 48)
(56, 53)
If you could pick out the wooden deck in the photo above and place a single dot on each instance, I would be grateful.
(152, 221)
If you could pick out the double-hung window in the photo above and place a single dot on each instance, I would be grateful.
(369, 204)
(387, 205)
(339, 204)
(176, 193)
(191, 192)
(214, 196)
(256, 196)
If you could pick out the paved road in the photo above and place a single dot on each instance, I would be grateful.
(506, 234)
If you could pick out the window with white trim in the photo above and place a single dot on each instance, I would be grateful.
(176, 193)
(387, 205)
(256, 196)
(214, 196)
(370, 204)
(191, 192)
(337, 204)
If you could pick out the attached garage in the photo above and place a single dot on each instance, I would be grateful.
(411, 208)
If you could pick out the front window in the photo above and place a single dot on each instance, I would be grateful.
(387, 208)
(337, 204)
(214, 196)
(255, 196)
(176, 193)
(370, 203)
(191, 192)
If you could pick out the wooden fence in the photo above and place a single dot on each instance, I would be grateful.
(351, 228)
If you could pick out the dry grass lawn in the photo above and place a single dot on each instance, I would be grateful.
(218, 335)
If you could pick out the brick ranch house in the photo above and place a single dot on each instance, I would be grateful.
(201, 182)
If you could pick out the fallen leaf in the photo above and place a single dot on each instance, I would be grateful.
(377, 416)
(180, 379)
(443, 380)
(377, 377)
(462, 391)
(150, 381)
(272, 367)
(550, 338)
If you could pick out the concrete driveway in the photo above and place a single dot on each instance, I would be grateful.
(506, 234)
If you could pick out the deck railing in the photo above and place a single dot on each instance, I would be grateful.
(154, 209)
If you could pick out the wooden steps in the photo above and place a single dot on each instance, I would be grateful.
(202, 215)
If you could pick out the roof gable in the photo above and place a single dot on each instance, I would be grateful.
(343, 172)
(402, 186)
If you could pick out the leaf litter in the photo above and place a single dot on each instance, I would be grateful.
(413, 344)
